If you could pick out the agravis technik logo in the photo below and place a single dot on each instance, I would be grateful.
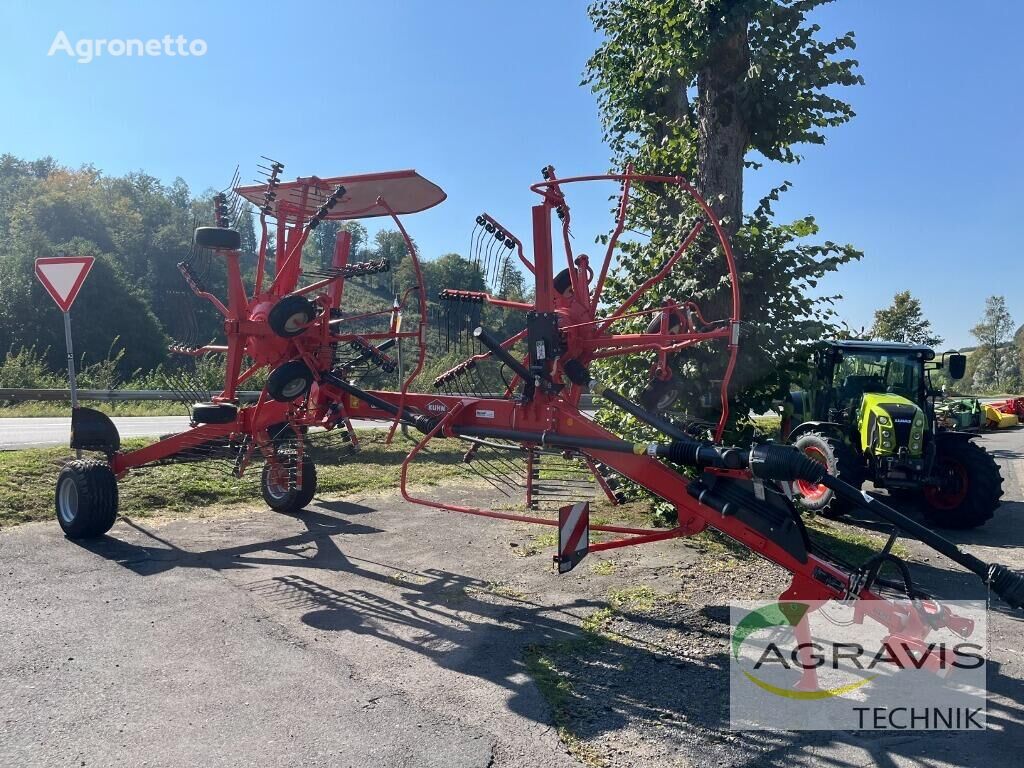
(829, 666)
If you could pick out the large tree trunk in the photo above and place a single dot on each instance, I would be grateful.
(721, 130)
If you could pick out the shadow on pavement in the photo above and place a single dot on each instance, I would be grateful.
(311, 548)
(668, 670)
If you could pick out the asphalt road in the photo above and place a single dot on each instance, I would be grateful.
(372, 633)
(42, 431)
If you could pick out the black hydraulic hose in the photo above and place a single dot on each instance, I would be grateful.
(422, 423)
(552, 439)
(488, 340)
(787, 463)
(683, 449)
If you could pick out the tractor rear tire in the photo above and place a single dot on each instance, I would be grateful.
(974, 487)
(86, 499)
(841, 461)
(279, 496)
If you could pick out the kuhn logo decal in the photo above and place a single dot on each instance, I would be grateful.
(436, 406)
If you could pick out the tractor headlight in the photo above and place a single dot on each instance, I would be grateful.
(916, 436)
(884, 421)
(886, 443)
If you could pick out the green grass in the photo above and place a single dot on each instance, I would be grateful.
(133, 408)
(559, 693)
(28, 477)
(846, 542)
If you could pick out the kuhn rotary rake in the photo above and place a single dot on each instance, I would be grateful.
(532, 435)
(296, 332)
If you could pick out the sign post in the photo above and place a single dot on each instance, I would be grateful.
(62, 277)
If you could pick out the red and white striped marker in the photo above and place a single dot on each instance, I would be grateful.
(573, 535)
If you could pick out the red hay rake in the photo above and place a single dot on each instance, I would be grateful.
(296, 332)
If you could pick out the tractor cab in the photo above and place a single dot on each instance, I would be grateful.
(868, 413)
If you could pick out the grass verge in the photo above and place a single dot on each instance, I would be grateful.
(125, 408)
(28, 478)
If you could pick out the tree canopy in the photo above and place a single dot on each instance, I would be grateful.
(703, 90)
(904, 321)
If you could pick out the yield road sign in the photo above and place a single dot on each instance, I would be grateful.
(62, 277)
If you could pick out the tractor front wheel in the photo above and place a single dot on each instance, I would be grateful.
(967, 489)
(841, 462)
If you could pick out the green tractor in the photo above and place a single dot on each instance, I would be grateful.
(868, 414)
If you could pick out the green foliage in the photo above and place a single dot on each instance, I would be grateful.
(648, 66)
(996, 364)
(904, 321)
(135, 299)
(27, 369)
(657, 56)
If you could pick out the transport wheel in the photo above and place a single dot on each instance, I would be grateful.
(841, 461)
(289, 381)
(659, 395)
(968, 490)
(290, 315)
(86, 499)
(674, 323)
(218, 238)
(275, 483)
(214, 413)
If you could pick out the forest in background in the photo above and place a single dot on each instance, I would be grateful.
(135, 302)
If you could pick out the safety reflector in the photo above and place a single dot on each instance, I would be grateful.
(573, 535)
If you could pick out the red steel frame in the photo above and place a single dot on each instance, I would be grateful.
(557, 415)
(249, 334)
(550, 414)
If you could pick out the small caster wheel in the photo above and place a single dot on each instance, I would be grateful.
(275, 482)
(290, 315)
(289, 381)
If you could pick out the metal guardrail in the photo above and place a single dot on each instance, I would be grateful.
(128, 395)
(102, 395)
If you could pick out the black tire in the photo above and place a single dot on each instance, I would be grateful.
(289, 315)
(218, 238)
(279, 497)
(214, 413)
(674, 323)
(658, 396)
(973, 487)
(841, 461)
(289, 381)
(86, 499)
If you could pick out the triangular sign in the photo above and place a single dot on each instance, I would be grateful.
(62, 277)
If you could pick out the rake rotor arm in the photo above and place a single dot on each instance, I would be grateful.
(785, 464)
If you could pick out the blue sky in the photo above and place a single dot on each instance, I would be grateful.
(478, 96)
